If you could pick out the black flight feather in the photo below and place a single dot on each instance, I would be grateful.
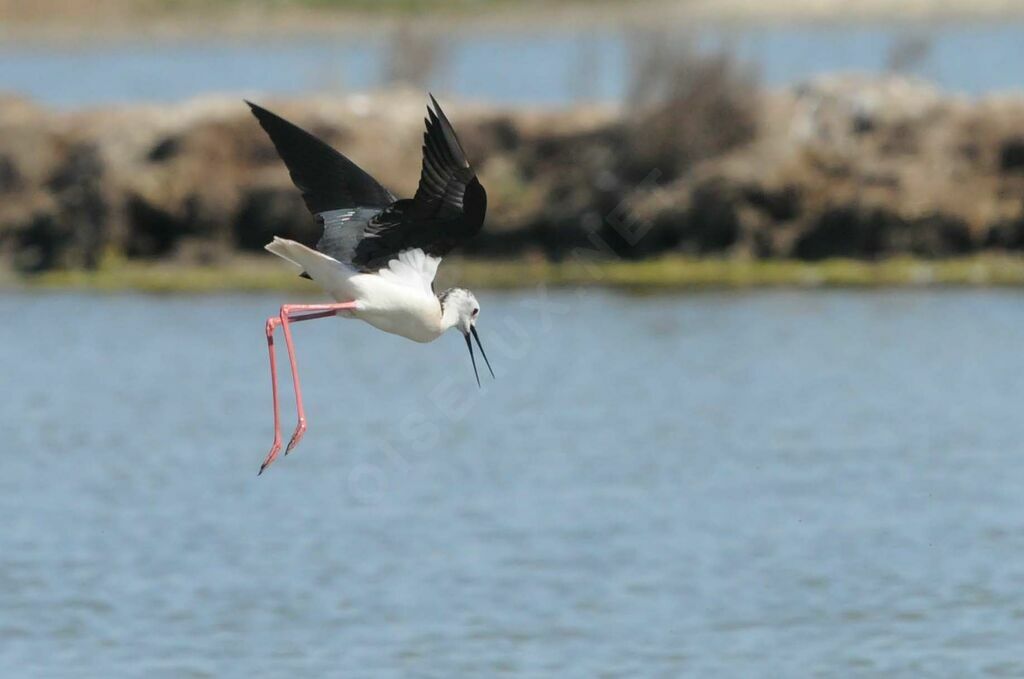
(363, 224)
(327, 179)
(446, 172)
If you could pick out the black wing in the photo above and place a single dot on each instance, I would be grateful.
(446, 173)
(344, 229)
(448, 208)
(327, 179)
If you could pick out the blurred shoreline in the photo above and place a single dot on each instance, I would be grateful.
(847, 180)
(701, 174)
(670, 274)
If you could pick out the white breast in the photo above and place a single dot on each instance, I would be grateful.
(398, 309)
(397, 299)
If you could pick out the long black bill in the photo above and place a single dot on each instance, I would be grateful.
(482, 352)
(469, 345)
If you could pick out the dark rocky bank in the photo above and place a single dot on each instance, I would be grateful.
(842, 167)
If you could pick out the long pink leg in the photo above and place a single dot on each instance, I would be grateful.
(272, 324)
(318, 311)
(284, 319)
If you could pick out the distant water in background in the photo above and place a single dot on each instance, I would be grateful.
(544, 68)
(777, 484)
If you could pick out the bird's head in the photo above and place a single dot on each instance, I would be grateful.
(462, 309)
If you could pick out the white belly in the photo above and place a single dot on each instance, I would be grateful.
(396, 300)
(397, 309)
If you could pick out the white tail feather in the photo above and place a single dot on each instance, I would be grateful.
(278, 247)
(322, 268)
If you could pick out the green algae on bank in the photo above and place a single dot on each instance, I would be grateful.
(661, 274)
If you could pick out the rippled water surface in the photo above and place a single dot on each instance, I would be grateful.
(782, 484)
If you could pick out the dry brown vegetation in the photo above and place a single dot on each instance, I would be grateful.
(702, 162)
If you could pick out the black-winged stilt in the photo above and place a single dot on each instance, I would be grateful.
(378, 255)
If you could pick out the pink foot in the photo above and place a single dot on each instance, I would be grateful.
(274, 450)
(300, 431)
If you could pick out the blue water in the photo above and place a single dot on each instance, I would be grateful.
(550, 68)
(735, 485)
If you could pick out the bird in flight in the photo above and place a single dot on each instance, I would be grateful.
(378, 255)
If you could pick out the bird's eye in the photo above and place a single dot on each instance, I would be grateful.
(476, 311)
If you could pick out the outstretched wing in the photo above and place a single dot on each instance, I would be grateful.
(447, 210)
(327, 179)
(446, 172)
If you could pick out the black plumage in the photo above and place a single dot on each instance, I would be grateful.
(364, 225)
(326, 178)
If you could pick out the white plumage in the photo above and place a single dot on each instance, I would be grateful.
(398, 298)
(377, 255)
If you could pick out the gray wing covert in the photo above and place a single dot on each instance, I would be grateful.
(344, 228)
